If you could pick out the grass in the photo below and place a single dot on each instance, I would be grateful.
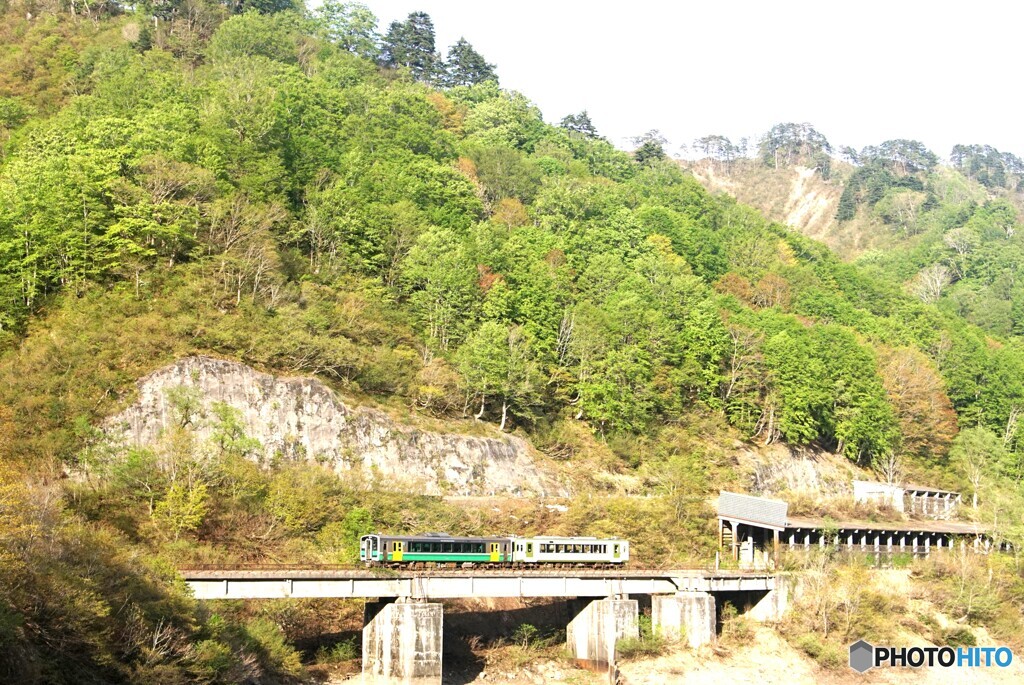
(347, 650)
(649, 642)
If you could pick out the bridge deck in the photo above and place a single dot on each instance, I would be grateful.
(207, 583)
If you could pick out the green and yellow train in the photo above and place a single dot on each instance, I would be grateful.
(443, 550)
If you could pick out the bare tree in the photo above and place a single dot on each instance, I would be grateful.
(1012, 422)
(962, 241)
(743, 360)
(930, 282)
(890, 467)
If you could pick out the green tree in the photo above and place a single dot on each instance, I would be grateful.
(977, 452)
(182, 510)
(466, 67)
(579, 123)
(788, 143)
(350, 25)
(509, 120)
(650, 147)
(410, 44)
(903, 156)
(498, 361)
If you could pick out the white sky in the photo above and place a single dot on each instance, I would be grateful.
(861, 72)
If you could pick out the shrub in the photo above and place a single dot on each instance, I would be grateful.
(526, 636)
(649, 642)
(959, 637)
(736, 630)
(827, 654)
(212, 659)
(268, 640)
(346, 650)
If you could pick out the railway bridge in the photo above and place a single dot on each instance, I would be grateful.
(403, 619)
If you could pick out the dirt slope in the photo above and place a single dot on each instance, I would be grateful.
(798, 197)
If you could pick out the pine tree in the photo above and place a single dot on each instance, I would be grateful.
(411, 44)
(466, 67)
(580, 123)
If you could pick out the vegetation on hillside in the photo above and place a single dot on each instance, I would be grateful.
(292, 189)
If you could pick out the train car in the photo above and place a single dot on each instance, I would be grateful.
(558, 550)
(437, 548)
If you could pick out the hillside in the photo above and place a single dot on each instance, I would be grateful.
(795, 196)
(946, 233)
(231, 229)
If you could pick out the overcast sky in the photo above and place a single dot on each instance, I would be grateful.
(860, 72)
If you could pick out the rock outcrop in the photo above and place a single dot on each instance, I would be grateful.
(301, 418)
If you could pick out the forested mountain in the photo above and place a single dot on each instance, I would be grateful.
(947, 233)
(297, 191)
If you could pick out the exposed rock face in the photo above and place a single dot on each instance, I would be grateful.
(301, 418)
(779, 468)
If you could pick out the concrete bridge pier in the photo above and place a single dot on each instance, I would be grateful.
(402, 642)
(687, 616)
(595, 628)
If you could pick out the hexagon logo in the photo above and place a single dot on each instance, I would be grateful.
(862, 656)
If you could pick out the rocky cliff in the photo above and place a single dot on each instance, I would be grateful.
(301, 418)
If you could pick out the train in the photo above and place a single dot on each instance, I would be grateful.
(443, 550)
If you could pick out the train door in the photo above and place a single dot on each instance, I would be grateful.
(495, 551)
(397, 554)
(616, 551)
(529, 551)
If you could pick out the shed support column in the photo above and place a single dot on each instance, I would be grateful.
(595, 629)
(687, 615)
(775, 547)
(402, 642)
